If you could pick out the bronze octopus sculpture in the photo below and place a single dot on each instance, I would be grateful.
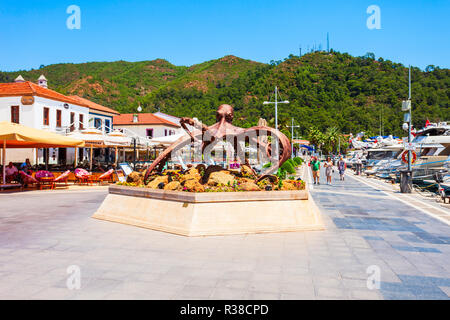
(224, 129)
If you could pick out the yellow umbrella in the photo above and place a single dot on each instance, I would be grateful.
(14, 135)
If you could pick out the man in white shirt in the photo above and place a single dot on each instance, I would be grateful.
(358, 166)
(10, 172)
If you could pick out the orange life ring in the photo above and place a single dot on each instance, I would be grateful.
(405, 156)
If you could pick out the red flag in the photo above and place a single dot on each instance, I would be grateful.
(427, 123)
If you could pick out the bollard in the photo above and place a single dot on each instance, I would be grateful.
(405, 181)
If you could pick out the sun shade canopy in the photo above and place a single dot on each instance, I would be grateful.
(19, 136)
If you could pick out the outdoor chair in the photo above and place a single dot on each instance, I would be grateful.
(43, 174)
(45, 179)
(27, 179)
(82, 176)
(61, 180)
(107, 176)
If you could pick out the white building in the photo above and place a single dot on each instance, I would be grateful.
(100, 117)
(36, 106)
(146, 125)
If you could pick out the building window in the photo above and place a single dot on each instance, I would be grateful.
(149, 133)
(72, 121)
(46, 121)
(165, 132)
(107, 125)
(98, 123)
(81, 124)
(58, 118)
(15, 114)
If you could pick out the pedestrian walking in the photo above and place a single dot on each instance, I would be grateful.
(329, 170)
(358, 166)
(315, 168)
(341, 168)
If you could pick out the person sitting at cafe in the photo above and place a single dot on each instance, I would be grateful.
(26, 166)
(11, 173)
(96, 166)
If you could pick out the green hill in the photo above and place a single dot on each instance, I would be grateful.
(324, 89)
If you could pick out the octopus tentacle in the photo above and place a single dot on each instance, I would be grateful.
(224, 128)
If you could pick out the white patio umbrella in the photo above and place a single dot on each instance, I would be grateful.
(117, 138)
(91, 136)
(168, 140)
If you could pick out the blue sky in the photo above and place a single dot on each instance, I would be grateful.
(33, 33)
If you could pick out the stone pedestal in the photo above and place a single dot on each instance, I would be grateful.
(211, 213)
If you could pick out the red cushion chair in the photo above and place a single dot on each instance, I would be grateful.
(82, 175)
(43, 174)
(27, 179)
(62, 179)
(105, 176)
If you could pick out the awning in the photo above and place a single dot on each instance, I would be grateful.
(19, 136)
(91, 136)
(306, 147)
(168, 140)
(117, 138)
(13, 135)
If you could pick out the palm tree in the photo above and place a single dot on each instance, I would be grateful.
(331, 139)
(315, 136)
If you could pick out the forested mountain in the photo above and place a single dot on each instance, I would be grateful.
(324, 89)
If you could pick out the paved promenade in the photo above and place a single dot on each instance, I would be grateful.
(369, 233)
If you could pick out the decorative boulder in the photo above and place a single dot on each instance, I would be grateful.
(193, 186)
(155, 182)
(135, 177)
(192, 174)
(288, 186)
(249, 186)
(246, 180)
(221, 178)
(174, 185)
(293, 185)
(247, 171)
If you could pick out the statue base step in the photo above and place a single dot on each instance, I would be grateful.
(215, 213)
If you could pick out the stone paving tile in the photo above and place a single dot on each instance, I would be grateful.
(122, 262)
(445, 289)
(298, 296)
(194, 292)
(234, 283)
(365, 295)
(228, 293)
(331, 293)
(256, 295)
(416, 249)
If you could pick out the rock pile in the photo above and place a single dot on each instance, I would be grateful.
(212, 179)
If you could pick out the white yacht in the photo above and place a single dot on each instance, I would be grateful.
(432, 149)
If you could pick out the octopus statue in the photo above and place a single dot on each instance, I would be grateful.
(224, 129)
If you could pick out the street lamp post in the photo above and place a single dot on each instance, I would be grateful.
(276, 102)
(406, 177)
(292, 136)
(134, 153)
(410, 120)
(139, 109)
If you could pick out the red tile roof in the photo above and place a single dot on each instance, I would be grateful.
(28, 88)
(143, 118)
(93, 105)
